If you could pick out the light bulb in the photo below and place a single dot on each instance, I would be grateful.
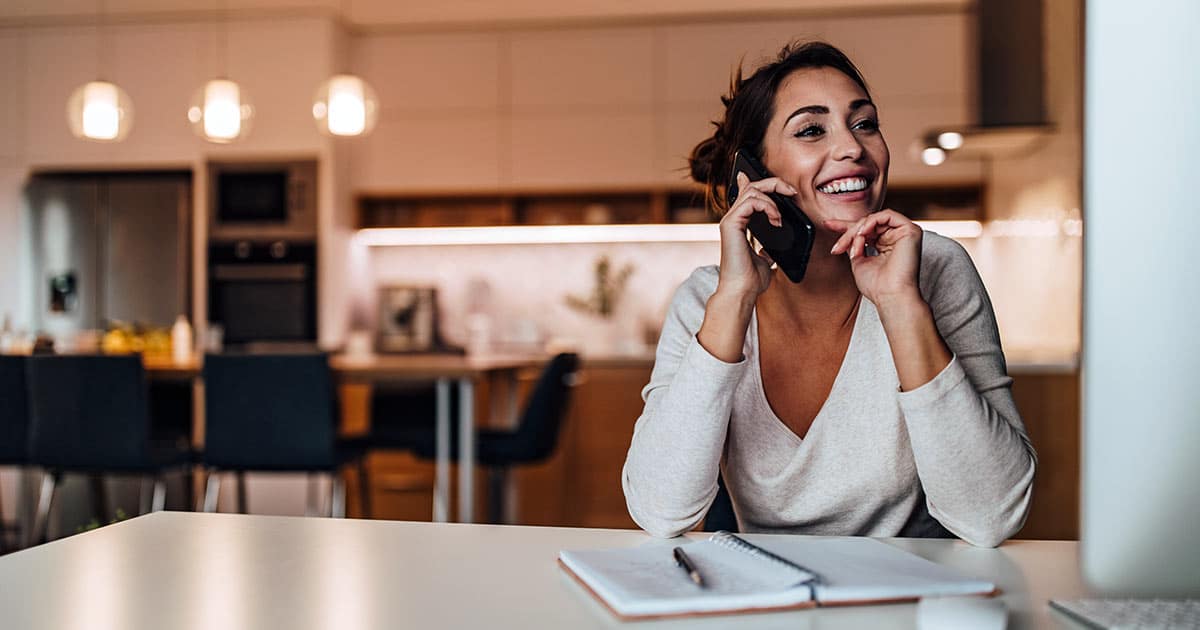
(100, 111)
(221, 112)
(932, 156)
(345, 105)
(950, 140)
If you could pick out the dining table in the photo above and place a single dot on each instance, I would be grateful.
(446, 370)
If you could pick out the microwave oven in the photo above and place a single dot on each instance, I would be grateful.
(263, 200)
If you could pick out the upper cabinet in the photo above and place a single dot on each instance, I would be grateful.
(630, 205)
(622, 106)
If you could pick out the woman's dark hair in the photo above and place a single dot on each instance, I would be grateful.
(749, 107)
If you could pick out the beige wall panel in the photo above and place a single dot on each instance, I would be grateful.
(903, 121)
(699, 59)
(910, 55)
(66, 58)
(160, 67)
(582, 68)
(280, 66)
(583, 150)
(12, 109)
(431, 72)
(682, 128)
(423, 153)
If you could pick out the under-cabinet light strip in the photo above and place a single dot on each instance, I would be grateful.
(636, 233)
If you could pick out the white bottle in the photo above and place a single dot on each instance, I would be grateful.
(181, 340)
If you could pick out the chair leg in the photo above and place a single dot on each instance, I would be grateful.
(364, 488)
(3, 531)
(337, 499)
(41, 519)
(99, 493)
(159, 500)
(241, 493)
(497, 494)
(143, 497)
(212, 491)
(310, 496)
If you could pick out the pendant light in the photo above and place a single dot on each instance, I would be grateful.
(345, 104)
(100, 111)
(220, 111)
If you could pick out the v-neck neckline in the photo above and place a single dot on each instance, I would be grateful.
(761, 392)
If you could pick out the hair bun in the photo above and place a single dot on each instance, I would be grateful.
(706, 157)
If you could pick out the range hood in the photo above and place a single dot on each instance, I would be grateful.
(1012, 112)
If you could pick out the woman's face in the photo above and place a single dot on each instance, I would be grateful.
(824, 140)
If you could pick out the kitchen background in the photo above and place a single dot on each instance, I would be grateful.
(530, 99)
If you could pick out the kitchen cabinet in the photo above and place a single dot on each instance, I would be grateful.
(628, 205)
(1049, 404)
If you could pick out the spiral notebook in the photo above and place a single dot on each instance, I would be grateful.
(771, 573)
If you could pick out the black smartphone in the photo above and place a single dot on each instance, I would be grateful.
(788, 245)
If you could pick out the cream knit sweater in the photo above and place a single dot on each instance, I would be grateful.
(876, 461)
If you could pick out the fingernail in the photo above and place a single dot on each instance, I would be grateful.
(833, 250)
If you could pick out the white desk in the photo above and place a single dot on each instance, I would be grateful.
(187, 571)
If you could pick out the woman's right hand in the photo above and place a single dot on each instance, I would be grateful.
(744, 272)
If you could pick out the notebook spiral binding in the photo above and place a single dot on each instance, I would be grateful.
(737, 543)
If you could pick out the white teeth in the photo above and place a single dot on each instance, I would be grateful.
(849, 184)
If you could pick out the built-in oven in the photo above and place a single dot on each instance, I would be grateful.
(263, 293)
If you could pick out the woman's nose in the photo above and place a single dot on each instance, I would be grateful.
(846, 146)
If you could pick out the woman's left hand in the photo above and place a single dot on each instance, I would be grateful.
(892, 274)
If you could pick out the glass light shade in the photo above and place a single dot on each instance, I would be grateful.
(933, 156)
(950, 140)
(221, 112)
(345, 105)
(100, 111)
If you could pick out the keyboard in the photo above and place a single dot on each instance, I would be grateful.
(1122, 614)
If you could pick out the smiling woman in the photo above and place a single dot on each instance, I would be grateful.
(827, 413)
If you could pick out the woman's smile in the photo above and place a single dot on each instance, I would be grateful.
(824, 140)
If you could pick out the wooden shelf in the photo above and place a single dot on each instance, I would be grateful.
(614, 206)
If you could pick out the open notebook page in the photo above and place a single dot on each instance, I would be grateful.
(864, 569)
(646, 581)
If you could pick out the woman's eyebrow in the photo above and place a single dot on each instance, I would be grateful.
(862, 102)
(807, 109)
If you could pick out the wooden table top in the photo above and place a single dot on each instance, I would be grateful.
(375, 367)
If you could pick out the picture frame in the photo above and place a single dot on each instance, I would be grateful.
(407, 319)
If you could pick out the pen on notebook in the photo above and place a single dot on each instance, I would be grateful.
(685, 563)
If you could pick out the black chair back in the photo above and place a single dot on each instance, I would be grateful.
(14, 410)
(269, 412)
(537, 434)
(88, 412)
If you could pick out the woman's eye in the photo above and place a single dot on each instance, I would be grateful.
(810, 131)
(868, 124)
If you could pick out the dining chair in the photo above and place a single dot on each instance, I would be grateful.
(273, 413)
(90, 414)
(720, 515)
(533, 440)
(14, 424)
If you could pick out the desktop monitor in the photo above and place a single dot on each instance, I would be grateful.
(1141, 299)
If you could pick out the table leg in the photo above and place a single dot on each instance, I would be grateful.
(441, 483)
(511, 498)
(466, 450)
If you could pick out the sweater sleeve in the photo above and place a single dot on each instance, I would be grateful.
(973, 457)
(670, 473)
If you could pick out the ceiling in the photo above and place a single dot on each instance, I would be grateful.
(372, 14)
